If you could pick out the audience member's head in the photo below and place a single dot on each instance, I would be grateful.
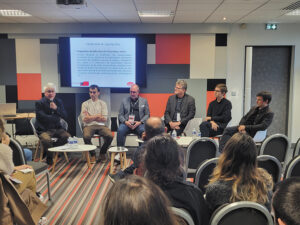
(286, 202)
(134, 91)
(153, 127)
(162, 159)
(266, 96)
(135, 201)
(238, 163)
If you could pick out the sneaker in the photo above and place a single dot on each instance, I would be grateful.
(103, 158)
(43, 221)
(115, 177)
(93, 159)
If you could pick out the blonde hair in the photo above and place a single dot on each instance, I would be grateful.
(238, 164)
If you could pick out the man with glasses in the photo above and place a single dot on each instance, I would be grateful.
(218, 114)
(133, 113)
(49, 112)
(94, 115)
(180, 108)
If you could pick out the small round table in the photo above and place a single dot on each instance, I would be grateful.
(122, 151)
(72, 148)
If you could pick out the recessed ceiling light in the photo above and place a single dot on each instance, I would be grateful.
(155, 13)
(224, 18)
(13, 12)
(294, 13)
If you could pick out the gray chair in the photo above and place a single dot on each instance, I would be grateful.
(293, 168)
(183, 214)
(39, 145)
(244, 212)
(271, 165)
(276, 145)
(260, 136)
(198, 151)
(38, 167)
(193, 123)
(297, 148)
(204, 172)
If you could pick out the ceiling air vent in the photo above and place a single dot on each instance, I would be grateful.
(292, 6)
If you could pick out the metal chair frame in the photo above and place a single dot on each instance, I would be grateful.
(291, 166)
(275, 160)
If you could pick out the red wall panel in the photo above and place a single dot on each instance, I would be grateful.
(29, 86)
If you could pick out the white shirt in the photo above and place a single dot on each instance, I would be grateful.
(94, 108)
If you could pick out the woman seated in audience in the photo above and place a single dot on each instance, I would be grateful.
(24, 183)
(237, 177)
(135, 200)
(162, 164)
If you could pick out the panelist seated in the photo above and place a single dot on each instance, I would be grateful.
(49, 112)
(94, 115)
(133, 113)
(218, 113)
(258, 118)
(180, 108)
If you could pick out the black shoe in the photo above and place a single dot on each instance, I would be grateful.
(49, 161)
(115, 177)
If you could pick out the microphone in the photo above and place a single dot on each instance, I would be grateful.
(52, 111)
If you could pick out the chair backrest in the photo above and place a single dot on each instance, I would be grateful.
(198, 151)
(184, 214)
(244, 212)
(80, 122)
(32, 123)
(297, 148)
(204, 171)
(271, 165)
(260, 136)
(18, 152)
(193, 123)
(293, 168)
(276, 145)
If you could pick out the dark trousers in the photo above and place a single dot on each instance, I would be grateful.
(207, 131)
(62, 138)
(103, 131)
(179, 131)
(228, 133)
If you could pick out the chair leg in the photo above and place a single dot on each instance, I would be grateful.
(48, 183)
(112, 159)
(42, 152)
(36, 149)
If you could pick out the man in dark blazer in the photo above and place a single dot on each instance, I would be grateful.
(180, 108)
(133, 113)
(49, 112)
(258, 118)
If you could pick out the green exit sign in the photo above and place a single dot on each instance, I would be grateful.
(271, 26)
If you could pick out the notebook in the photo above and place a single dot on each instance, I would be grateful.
(8, 109)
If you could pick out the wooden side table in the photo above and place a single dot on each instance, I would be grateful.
(122, 151)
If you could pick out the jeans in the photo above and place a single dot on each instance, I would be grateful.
(28, 154)
(228, 133)
(123, 131)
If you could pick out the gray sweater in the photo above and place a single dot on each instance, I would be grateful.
(6, 159)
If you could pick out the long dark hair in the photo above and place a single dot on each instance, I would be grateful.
(162, 160)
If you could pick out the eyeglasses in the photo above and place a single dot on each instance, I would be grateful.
(177, 88)
(50, 91)
(93, 92)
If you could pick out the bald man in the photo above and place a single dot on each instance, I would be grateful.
(154, 126)
(133, 113)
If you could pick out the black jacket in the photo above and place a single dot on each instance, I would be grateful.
(189, 197)
(256, 120)
(48, 118)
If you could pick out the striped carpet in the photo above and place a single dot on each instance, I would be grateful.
(77, 192)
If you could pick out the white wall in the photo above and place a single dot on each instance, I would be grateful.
(238, 39)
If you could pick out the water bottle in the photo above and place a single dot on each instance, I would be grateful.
(75, 142)
(199, 134)
(174, 134)
(70, 142)
(194, 133)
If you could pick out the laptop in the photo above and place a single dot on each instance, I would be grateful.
(8, 109)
